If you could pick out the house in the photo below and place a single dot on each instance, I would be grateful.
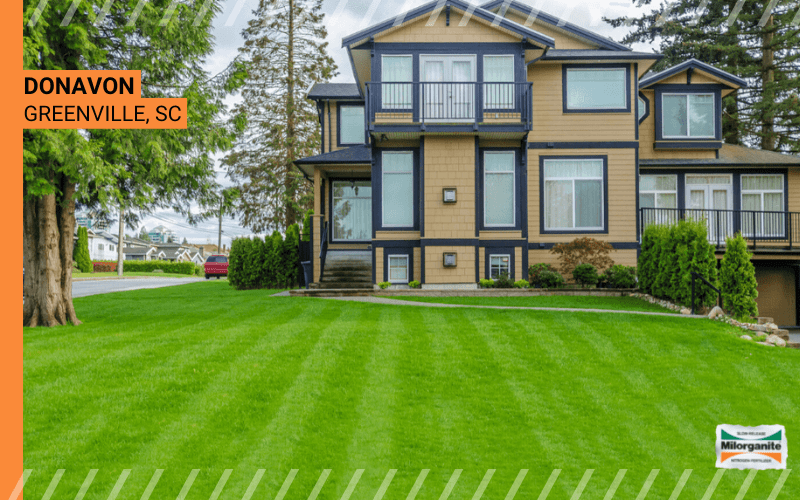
(103, 245)
(162, 234)
(138, 249)
(475, 139)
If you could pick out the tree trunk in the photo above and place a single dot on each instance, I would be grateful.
(288, 181)
(121, 242)
(48, 224)
(768, 96)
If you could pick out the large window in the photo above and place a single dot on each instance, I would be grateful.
(351, 128)
(352, 210)
(398, 269)
(496, 70)
(499, 265)
(658, 191)
(574, 194)
(762, 201)
(398, 189)
(602, 89)
(498, 182)
(687, 116)
(396, 69)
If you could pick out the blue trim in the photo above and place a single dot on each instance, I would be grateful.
(377, 190)
(542, 159)
(449, 242)
(500, 251)
(616, 246)
(374, 259)
(689, 89)
(502, 243)
(462, 6)
(478, 186)
(339, 106)
(566, 67)
(477, 264)
(636, 109)
(524, 188)
(480, 192)
(396, 243)
(422, 264)
(398, 251)
(647, 107)
(616, 56)
(355, 74)
(693, 64)
(583, 145)
(421, 201)
(687, 145)
(552, 20)
(638, 236)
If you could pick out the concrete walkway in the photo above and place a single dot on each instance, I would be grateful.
(393, 302)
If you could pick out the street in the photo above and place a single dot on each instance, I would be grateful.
(98, 287)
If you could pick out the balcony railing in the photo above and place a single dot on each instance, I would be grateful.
(449, 103)
(758, 227)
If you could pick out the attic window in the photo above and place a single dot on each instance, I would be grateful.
(688, 116)
(596, 89)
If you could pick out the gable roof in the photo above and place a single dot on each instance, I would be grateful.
(576, 54)
(478, 12)
(734, 81)
(601, 41)
(732, 155)
(334, 91)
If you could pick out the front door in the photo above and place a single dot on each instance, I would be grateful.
(710, 198)
(351, 211)
(444, 97)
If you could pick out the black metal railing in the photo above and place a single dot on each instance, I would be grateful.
(451, 102)
(756, 226)
(323, 248)
(698, 276)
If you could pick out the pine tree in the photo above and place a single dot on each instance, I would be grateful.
(763, 49)
(284, 54)
(738, 280)
(81, 256)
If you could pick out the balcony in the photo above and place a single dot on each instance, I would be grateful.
(765, 231)
(449, 107)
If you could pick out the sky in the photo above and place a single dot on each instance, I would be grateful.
(344, 17)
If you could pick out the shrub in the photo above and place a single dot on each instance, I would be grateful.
(650, 257)
(602, 280)
(621, 277)
(275, 260)
(522, 284)
(307, 222)
(149, 266)
(291, 256)
(503, 281)
(583, 251)
(486, 283)
(236, 263)
(699, 257)
(384, 285)
(585, 274)
(551, 279)
(415, 284)
(104, 267)
(81, 253)
(535, 271)
(738, 280)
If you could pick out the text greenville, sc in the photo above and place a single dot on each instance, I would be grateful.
(106, 113)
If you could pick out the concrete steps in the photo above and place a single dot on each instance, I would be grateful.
(350, 271)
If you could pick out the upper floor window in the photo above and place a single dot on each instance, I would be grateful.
(498, 202)
(394, 70)
(498, 70)
(596, 89)
(688, 116)
(658, 191)
(351, 127)
(574, 194)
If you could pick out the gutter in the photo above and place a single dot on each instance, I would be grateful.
(536, 59)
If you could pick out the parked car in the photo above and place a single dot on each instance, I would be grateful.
(216, 265)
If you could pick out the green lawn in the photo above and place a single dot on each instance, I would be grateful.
(129, 275)
(576, 302)
(204, 377)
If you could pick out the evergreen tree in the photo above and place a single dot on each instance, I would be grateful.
(738, 280)
(81, 255)
(292, 256)
(276, 259)
(762, 48)
(284, 54)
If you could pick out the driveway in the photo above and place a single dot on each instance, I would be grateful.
(98, 287)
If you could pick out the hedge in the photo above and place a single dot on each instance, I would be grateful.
(104, 267)
(148, 266)
(738, 280)
(269, 263)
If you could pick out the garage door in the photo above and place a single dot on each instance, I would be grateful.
(777, 293)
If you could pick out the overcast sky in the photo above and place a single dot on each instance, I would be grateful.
(344, 17)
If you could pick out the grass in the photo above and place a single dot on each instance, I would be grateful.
(557, 301)
(204, 377)
(76, 274)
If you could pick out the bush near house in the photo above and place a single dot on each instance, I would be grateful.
(585, 275)
(551, 279)
(104, 266)
(269, 263)
(621, 277)
(583, 251)
(503, 281)
(738, 280)
(535, 272)
(648, 259)
(486, 283)
(307, 222)
(81, 254)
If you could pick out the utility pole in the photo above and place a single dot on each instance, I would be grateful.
(121, 242)
(219, 242)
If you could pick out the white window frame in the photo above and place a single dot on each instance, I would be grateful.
(625, 83)
(513, 173)
(410, 83)
(389, 268)
(657, 192)
(688, 113)
(761, 193)
(574, 228)
(513, 90)
(384, 184)
(363, 132)
(492, 256)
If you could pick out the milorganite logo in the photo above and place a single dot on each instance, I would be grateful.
(759, 448)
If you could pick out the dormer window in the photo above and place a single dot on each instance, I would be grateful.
(688, 116)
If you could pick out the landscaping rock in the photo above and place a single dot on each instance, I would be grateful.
(784, 334)
(766, 344)
(686, 312)
(746, 337)
(715, 313)
(761, 334)
(757, 328)
(793, 345)
(771, 327)
(777, 341)
(765, 320)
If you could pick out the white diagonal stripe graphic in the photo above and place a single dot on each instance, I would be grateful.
(436, 11)
(779, 485)
(767, 12)
(353, 482)
(86, 483)
(71, 13)
(320, 483)
(21, 483)
(286, 484)
(202, 13)
(136, 13)
(550, 483)
(223, 480)
(417, 484)
(173, 6)
(484, 483)
(37, 13)
(53, 484)
(567, 14)
(101, 17)
(582, 485)
(368, 15)
(152, 484)
(737, 9)
(385, 484)
(681, 483)
(501, 13)
(648, 484)
(188, 484)
(235, 13)
(517, 483)
(451, 484)
(534, 13)
(468, 14)
(339, 9)
(746, 484)
(714, 483)
(700, 11)
(796, 19)
(120, 483)
(253, 484)
(615, 485)
(662, 19)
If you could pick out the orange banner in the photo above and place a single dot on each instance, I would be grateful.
(103, 112)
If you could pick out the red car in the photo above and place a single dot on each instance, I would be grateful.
(216, 265)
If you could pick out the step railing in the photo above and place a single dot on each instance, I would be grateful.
(323, 248)
(698, 276)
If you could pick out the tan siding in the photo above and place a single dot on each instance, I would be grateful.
(435, 272)
(518, 264)
(563, 41)
(475, 31)
(482, 262)
(647, 138)
(379, 265)
(317, 236)
(417, 264)
(450, 162)
(501, 235)
(793, 183)
(621, 194)
(397, 235)
(550, 123)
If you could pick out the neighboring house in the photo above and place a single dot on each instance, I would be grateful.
(469, 147)
(160, 234)
(103, 245)
(139, 253)
(197, 258)
(173, 252)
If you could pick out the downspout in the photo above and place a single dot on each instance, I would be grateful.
(330, 129)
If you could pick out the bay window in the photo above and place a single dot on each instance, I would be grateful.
(499, 188)
(394, 71)
(351, 125)
(398, 189)
(688, 116)
(596, 89)
(763, 204)
(574, 194)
